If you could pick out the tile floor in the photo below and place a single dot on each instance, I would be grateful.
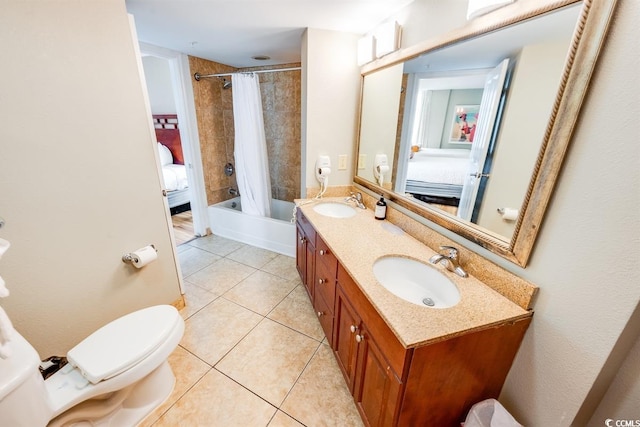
(253, 352)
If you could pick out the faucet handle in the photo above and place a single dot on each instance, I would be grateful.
(452, 252)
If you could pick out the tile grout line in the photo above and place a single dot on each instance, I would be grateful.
(263, 318)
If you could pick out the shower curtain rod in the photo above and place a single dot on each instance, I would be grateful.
(199, 76)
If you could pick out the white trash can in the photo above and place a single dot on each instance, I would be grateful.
(490, 413)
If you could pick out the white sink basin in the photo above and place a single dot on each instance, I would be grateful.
(416, 282)
(335, 210)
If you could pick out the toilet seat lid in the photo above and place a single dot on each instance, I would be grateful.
(119, 345)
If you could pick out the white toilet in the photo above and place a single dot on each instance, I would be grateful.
(115, 377)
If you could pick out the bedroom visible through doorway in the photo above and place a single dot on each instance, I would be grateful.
(170, 146)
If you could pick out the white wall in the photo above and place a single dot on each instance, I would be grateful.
(586, 257)
(330, 96)
(423, 19)
(157, 74)
(523, 131)
(622, 399)
(78, 176)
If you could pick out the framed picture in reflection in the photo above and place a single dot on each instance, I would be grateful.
(464, 123)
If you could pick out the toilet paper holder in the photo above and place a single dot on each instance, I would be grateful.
(131, 257)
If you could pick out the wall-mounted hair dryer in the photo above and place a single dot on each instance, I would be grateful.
(380, 167)
(323, 169)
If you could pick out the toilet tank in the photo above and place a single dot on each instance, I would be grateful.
(23, 398)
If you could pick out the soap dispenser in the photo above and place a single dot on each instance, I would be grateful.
(381, 209)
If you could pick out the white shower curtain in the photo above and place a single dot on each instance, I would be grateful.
(252, 167)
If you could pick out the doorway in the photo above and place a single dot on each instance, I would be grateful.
(168, 81)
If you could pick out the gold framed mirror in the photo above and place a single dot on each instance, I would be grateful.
(488, 108)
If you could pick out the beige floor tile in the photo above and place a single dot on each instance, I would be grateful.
(269, 360)
(182, 248)
(195, 299)
(252, 256)
(217, 245)
(188, 369)
(221, 276)
(214, 330)
(283, 266)
(320, 397)
(217, 401)
(280, 419)
(260, 292)
(296, 312)
(194, 259)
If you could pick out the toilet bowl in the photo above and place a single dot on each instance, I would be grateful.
(115, 377)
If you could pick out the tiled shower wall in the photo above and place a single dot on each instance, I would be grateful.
(281, 99)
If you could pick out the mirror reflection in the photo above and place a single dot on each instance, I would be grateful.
(459, 129)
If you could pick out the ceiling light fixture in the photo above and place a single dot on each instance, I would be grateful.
(261, 57)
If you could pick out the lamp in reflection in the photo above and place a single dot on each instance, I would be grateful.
(481, 7)
(365, 50)
(387, 37)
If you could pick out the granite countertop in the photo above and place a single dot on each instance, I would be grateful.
(360, 240)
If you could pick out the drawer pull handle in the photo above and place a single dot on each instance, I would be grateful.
(353, 328)
(359, 338)
(321, 281)
(320, 314)
(322, 252)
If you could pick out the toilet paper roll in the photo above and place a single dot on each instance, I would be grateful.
(324, 171)
(510, 214)
(144, 256)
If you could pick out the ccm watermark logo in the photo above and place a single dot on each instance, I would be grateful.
(622, 423)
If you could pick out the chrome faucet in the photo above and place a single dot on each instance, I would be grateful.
(449, 260)
(357, 198)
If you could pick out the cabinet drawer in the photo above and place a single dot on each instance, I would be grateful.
(325, 284)
(325, 316)
(326, 256)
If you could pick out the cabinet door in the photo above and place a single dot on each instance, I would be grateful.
(301, 254)
(325, 315)
(305, 260)
(347, 326)
(310, 266)
(325, 281)
(377, 387)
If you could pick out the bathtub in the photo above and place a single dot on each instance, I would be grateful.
(277, 234)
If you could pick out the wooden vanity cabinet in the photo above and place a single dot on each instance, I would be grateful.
(429, 385)
(317, 266)
(326, 265)
(368, 353)
(373, 383)
(433, 384)
(305, 252)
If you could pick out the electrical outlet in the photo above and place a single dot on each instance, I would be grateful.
(362, 161)
(342, 162)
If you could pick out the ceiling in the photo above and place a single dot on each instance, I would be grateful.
(489, 50)
(231, 32)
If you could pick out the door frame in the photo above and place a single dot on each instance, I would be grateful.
(188, 127)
